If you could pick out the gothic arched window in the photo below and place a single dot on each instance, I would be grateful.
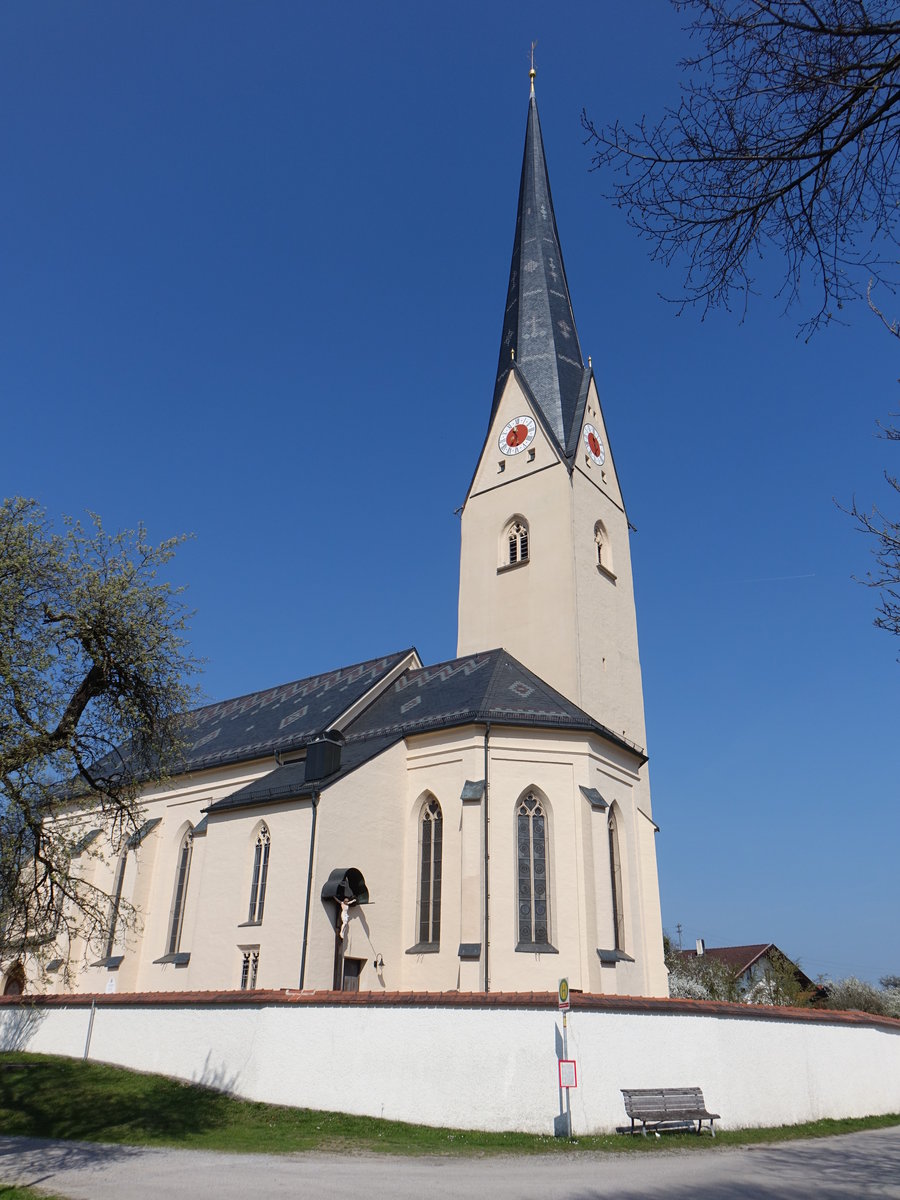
(115, 903)
(604, 551)
(430, 855)
(14, 984)
(182, 871)
(260, 875)
(515, 542)
(531, 861)
(615, 873)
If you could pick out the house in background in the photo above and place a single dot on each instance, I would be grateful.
(751, 964)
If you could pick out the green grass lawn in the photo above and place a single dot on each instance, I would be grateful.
(24, 1193)
(65, 1098)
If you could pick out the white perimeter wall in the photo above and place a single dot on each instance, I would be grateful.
(485, 1068)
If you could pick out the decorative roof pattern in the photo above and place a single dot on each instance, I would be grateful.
(492, 686)
(278, 718)
(539, 324)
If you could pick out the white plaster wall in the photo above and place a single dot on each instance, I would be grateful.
(487, 1068)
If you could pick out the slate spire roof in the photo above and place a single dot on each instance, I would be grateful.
(539, 325)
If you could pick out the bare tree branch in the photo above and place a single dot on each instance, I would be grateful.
(786, 139)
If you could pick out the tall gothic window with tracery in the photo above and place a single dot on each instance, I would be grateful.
(260, 875)
(615, 872)
(517, 542)
(182, 872)
(115, 903)
(531, 837)
(431, 853)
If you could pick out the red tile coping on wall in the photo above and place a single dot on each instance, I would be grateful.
(546, 1000)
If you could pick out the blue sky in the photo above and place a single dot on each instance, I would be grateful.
(253, 263)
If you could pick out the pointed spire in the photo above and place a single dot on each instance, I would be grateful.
(539, 326)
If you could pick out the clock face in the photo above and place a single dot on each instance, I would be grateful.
(517, 435)
(594, 443)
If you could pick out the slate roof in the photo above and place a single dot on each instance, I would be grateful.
(539, 324)
(278, 718)
(492, 686)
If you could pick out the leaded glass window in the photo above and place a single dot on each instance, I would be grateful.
(615, 873)
(181, 882)
(531, 838)
(260, 875)
(115, 903)
(431, 842)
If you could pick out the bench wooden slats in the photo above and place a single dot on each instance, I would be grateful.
(657, 1108)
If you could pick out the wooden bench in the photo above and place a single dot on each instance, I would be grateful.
(666, 1108)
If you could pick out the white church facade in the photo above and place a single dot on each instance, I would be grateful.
(480, 825)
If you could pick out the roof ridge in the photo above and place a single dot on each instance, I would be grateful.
(366, 662)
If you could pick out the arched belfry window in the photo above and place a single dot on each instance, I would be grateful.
(603, 548)
(431, 828)
(515, 543)
(615, 874)
(182, 872)
(531, 871)
(260, 875)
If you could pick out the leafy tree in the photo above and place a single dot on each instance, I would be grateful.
(707, 977)
(787, 135)
(856, 994)
(93, 674)
(700, 977)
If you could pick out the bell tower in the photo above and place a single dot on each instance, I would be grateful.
(545, 565)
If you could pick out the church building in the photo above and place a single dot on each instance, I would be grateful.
(482, 824)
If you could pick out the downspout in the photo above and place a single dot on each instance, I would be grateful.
(487, 889)
(309, 875)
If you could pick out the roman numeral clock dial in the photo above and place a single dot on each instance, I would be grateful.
(517, 435)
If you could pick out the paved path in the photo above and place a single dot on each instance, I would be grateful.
(851, 1167)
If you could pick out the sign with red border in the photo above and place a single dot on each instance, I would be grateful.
(568, 1075)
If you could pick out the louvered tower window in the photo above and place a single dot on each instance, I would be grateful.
(517, 542)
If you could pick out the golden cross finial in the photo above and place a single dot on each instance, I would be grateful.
(532, 72)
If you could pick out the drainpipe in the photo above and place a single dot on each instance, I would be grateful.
(487, 890)
(309, 875)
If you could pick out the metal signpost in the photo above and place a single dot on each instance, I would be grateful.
(567, 1072)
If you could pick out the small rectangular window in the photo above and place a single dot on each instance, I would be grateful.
(249, 968)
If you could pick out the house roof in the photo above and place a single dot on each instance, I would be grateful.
(741, 958)
(538, 323)
(490, 687)
(279, 718)
(738, 958)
